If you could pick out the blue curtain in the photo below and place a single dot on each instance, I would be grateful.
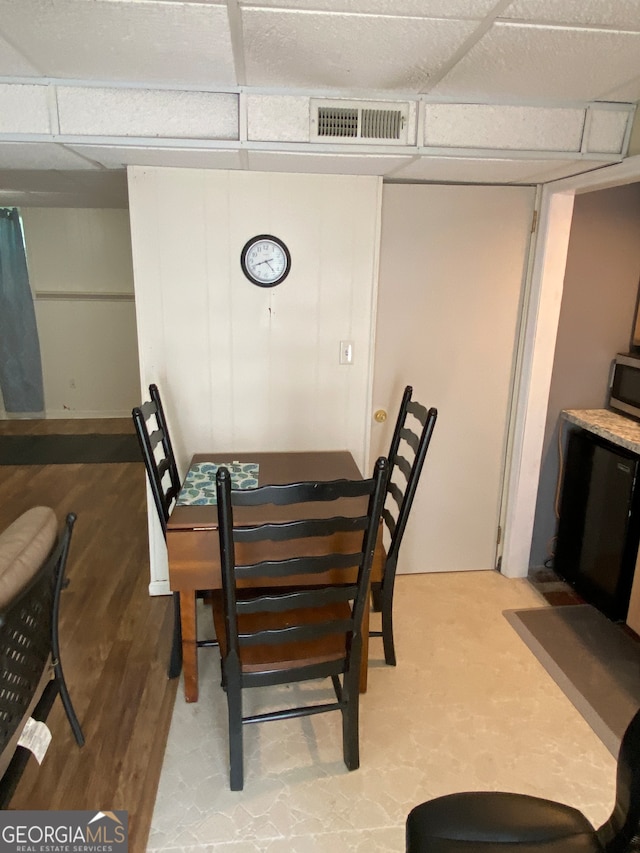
(20, 363)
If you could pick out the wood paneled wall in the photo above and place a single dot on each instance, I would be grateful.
(242, 367)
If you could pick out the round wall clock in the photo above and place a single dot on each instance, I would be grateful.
(265, 260)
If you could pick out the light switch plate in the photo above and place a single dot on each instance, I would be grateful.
(346, 352)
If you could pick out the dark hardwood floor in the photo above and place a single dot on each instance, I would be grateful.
(115, 638)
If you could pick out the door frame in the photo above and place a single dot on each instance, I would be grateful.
(533, 380)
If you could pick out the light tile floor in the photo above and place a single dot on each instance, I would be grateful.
(468, 707)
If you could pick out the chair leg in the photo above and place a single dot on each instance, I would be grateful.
(350, 719)
(387, 629)
(236, 758)
(175, 661)
(67, 704)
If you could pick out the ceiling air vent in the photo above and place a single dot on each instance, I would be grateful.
(359, 121)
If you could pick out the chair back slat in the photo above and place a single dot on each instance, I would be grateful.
(148, 408)
(411, 438)
(292, 493)
(156, 438)
(296, 633)
(300, 598)
(401, 463)
(298, 566)
(418, 411)
(389, 520)
(283, 531)
(395, 492)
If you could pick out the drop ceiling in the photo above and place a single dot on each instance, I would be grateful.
(516, 91)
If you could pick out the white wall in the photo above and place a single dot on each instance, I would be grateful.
(81, 275)
(241, 367)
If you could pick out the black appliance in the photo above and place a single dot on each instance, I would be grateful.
(599, 527)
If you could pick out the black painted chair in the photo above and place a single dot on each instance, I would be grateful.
(411, 438)
(293, 632)
(496, 822)
(32, 576)
(164, 480)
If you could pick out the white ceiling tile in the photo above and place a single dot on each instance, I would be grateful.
(316, 50)
(624, 14)
(115, 40)
(324, 164)
(24, 109)
(278, 118)
(12, 62)
(422, 8)
(39, 155)
(506, 127)
(115, 156)
(141, 112)
(486, 170)
(543, 63)
(606, 131)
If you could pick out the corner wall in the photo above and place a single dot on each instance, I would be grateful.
(596, 319)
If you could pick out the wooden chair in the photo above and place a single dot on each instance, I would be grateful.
(164, 480)
(292, 632)
(497, 822)
(32, 566)
(407, 453)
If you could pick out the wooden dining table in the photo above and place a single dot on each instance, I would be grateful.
(193, 546)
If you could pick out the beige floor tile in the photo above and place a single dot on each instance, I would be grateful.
(468, 707)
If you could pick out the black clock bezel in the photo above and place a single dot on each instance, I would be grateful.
(243, 260)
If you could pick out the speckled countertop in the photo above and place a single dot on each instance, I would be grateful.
(616, 428)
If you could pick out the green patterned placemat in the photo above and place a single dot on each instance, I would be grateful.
(199, 487)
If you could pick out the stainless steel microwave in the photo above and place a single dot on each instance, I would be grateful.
(625, 385)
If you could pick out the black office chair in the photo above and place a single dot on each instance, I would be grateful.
(164, 480)
(31, 675)
(496, 822)
(409, 445)
(291, 632)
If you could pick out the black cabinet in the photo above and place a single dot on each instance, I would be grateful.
(599, 527)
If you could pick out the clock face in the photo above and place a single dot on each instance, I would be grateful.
(265, 260)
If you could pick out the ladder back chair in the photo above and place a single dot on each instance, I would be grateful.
(33, 558)
(295, 589)
(497, 822)
(164, 481)
(411, 438)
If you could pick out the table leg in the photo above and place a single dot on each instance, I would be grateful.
(364, 663)
(189, 627)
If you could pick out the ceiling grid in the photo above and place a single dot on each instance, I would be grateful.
(498, 91)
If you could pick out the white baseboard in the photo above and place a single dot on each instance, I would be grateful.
(159, 588)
